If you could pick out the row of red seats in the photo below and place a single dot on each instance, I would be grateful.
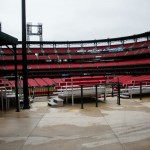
(129, 80)
(126, 80)
(81, 65)
(81, 56)
(38, 82)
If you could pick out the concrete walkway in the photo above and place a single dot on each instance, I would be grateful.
(107, 127)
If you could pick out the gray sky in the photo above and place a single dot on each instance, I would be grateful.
(78, 19)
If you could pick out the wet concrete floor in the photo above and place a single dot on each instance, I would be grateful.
(106, 127)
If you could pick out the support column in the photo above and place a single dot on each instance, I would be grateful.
(24, 58)
(16, 81)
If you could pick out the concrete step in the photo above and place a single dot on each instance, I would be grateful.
(124, 96)
(52, 104)
(101, 100)
(125, 93)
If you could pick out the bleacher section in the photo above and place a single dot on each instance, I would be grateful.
(62, 89)
(59, 60)
(127, 81)
(127, 58)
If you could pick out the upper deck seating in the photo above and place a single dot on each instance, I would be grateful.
(10, 67)
(33, 66)
(75, 57)
(42, 57)
(63, 56)
(54, 66)
(19, 57)
(7, 51)
(62, 50)
(36, 50)
(138, 44)
(87, 56)
(43, 66)
(6, 58)
(86, 65)
(1, 68)
(53, 56)
(49, 50)
(31, 57)
(128, 46)
(144, 51)
(19, 51)
(73, 50)
(64, 65)
(19, 67)
(75, 65)
(147, 43)
(1, 51)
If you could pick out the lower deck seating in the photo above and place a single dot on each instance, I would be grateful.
(40, 82)
(32, 83)
(48, 81)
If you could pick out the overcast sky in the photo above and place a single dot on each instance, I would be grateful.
(78, 19)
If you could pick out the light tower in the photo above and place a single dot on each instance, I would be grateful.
(35, 30)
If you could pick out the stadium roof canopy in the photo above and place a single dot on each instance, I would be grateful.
(6, 39)
(131, 37)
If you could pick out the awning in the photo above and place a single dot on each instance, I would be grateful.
(6, 39)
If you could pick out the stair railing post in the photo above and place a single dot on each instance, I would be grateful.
(118, 97)
(140, 90)
(48, 90)
(81, 96)
(112, 93)
(96, 95)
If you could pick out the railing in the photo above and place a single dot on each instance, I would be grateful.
(41, 91)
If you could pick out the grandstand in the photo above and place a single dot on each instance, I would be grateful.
(52, 64)
(130, 56)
